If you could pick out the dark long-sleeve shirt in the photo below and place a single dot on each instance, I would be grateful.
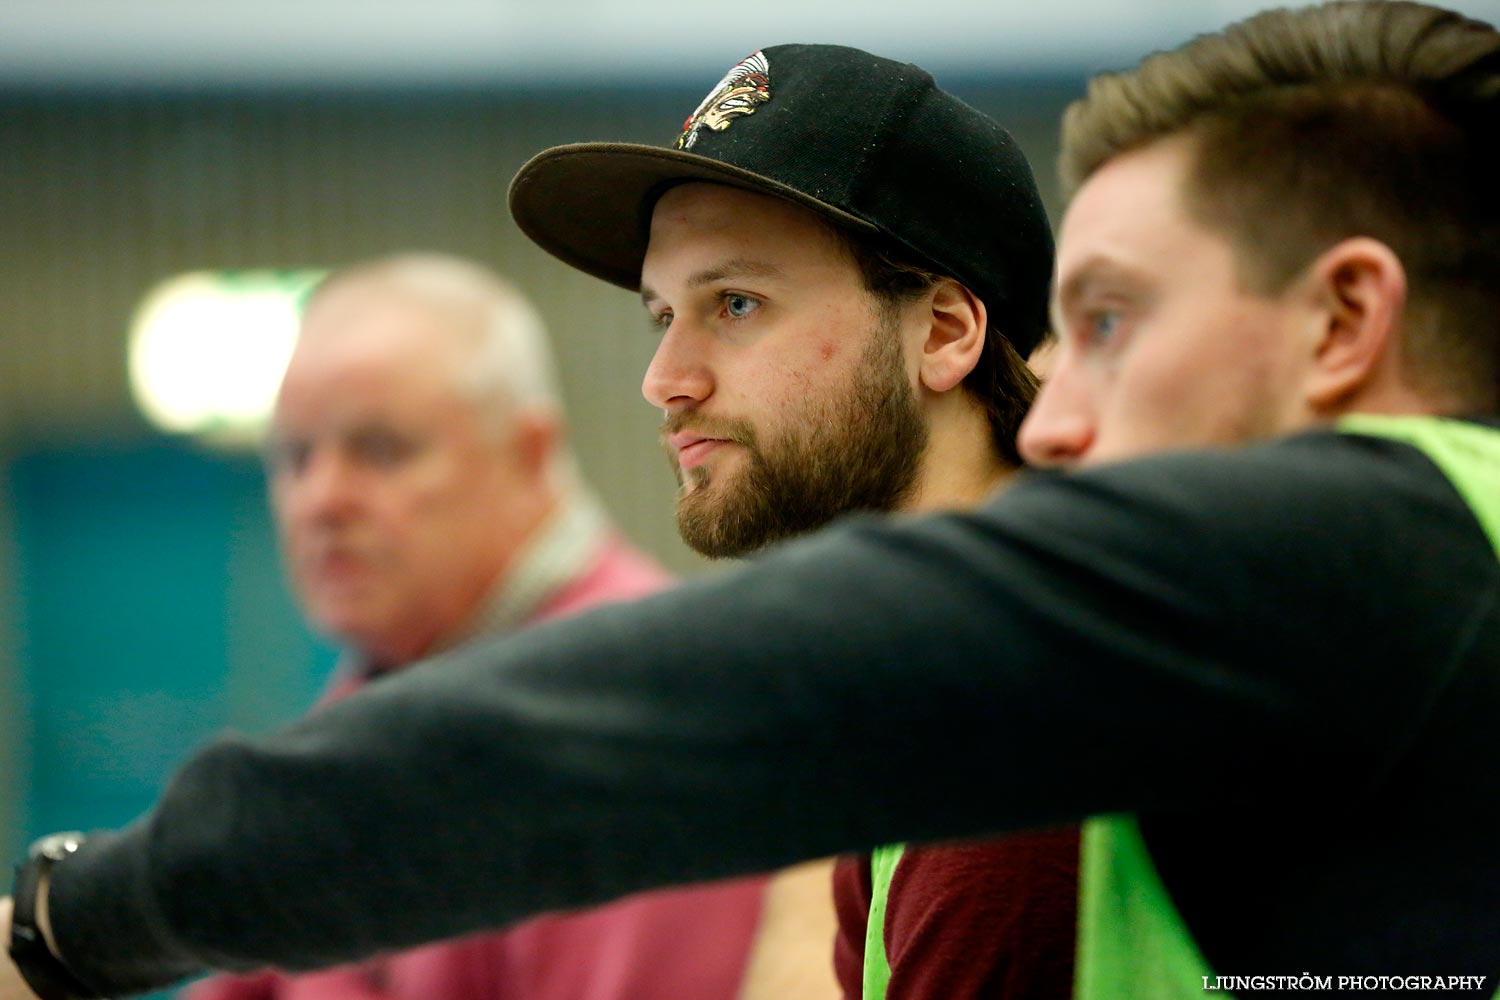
(1285, 659)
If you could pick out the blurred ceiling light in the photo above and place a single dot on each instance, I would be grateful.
(207, 350)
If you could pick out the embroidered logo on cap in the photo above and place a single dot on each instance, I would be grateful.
(743, 89)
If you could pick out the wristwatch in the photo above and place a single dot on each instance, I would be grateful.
(43, 971)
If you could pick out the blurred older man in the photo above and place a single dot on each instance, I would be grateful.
(425, 496)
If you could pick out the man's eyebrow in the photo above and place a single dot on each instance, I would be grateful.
(1093, 271)
(735, 268)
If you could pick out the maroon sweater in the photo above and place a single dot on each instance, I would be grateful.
(988, 919)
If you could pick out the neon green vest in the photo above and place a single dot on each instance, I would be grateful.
(1132, 942)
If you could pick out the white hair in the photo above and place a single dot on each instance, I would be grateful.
(507, 366)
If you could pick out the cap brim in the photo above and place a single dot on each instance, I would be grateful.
(589, 204)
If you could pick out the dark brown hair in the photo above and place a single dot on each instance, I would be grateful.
(1000, 382)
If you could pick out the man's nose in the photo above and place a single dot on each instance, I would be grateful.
(1062, 424)
(679, 375)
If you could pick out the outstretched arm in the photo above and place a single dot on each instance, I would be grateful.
(1057, 650)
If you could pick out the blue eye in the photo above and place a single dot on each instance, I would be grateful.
(1103, 325)
(739, 306)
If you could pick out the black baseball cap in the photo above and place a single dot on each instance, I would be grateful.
(871, 144)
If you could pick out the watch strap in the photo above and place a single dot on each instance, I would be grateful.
(43, 971)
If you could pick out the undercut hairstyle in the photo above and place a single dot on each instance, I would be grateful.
(1001, 382)
(1306, 127)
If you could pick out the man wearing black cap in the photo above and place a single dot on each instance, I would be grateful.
(842, 288)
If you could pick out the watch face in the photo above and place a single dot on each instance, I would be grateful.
(56, 846)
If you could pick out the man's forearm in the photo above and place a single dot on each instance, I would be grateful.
(792, 955)
(551, 771)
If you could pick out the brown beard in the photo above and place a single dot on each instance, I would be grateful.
(858, 450)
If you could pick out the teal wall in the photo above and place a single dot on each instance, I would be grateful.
(15, 733)
(148, 613)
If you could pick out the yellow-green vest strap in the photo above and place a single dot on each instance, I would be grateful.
(1131, 939)
(1468, 454)
(877, 969)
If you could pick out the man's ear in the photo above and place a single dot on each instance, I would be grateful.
(534, 437)
(955, 335)
(1360, 286)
